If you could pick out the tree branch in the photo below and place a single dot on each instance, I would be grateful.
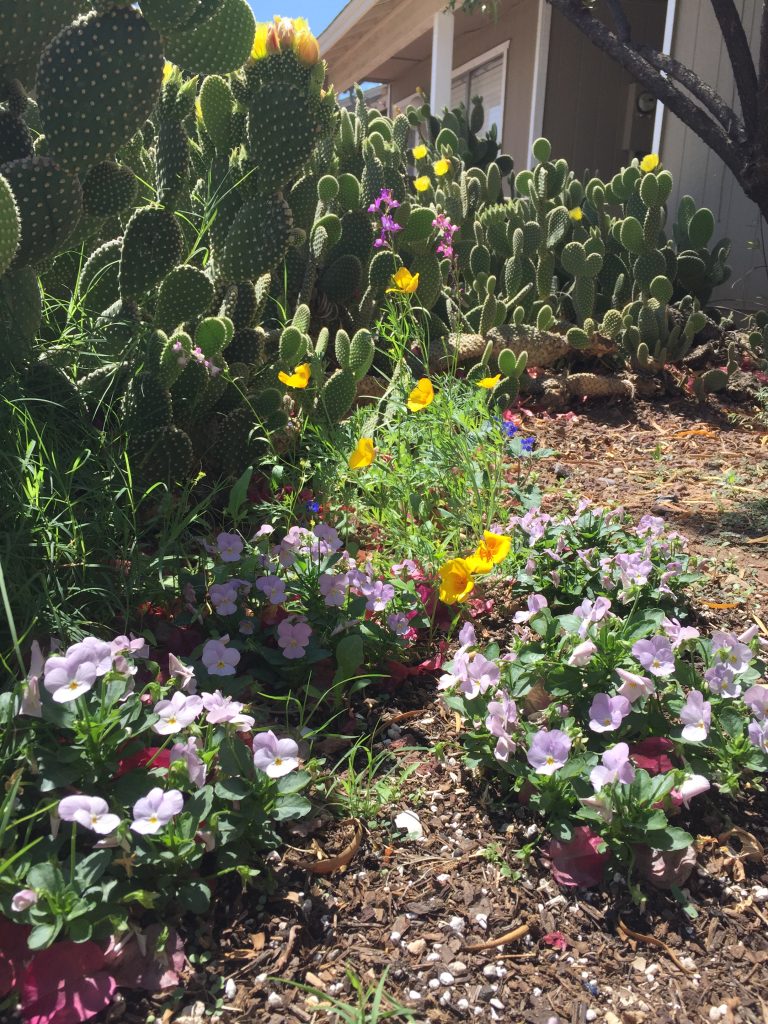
(690, 113)
(740, 56)
(714, 103)
(620, 20)
(762, 88)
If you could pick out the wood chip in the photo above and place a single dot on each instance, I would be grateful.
(651, 940)
(516, 933)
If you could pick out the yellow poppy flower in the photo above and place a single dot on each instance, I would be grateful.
(419, 152)
(489, 382)
(421, 396)
(480, 561)
(441, 167)
(404, 282)
(650, 163)
(456, 583)
(298, 379)
(363, 455)
(496, 545)
(576, 214)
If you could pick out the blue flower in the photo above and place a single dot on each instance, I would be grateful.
(313, 506)
(508, 428)
(527, 443)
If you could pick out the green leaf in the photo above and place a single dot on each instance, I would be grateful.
(91, 868)
(46, 877)
(239, 494)
(291, 807)
(43, 935)
(349, 657)
(232, 789)
(292, 783)
(668, 839)
(195, 897)
(200, 805)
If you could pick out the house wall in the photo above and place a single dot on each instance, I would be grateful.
(697, 42)
(585, 109)
(476, 36)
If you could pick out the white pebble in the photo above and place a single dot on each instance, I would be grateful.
(482, 920)
(457, 967)
(445, 998)
(432, 957)
(491, 971)
(591, 1015)
(496, 1003)
(434, 983)
(457, 924)
(760, 894)
(230, 989)
(443, 878)
(395, 936)
(414, 996)
(273, 999)
(462, 1004)
(446, 978)
(536, 992)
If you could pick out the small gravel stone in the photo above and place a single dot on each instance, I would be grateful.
(462, 1004)
(434, 983)
(273, 999)
(457, 924)
(457, 967)
(395, 936)
(445, 998)
(536, 992)
(417, 947)
(414, 996)
(482, 920)
(591, 1014)
(496, 1004)
(446, 978)
(230, 989)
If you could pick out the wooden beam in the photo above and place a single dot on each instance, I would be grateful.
(383, 37)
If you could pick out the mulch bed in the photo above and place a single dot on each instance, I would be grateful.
(421, 908)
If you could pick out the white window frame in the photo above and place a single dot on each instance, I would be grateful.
(502, 50)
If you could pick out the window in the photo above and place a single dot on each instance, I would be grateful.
(485, 77)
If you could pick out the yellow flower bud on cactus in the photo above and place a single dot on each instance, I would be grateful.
(576, 214)
(306, 47)
(650, 163)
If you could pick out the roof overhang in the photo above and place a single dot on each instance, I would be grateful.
(371, 34)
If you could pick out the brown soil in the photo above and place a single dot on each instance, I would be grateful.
(416, 907)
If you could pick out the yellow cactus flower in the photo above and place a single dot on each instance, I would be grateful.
(419, 152)
(489, 382)
(422, 184)
(259, 49)
(306, 47)
(404, 282)
(441, 167)
(650, 163)
(363, 455)
(576, 214)
(421, 396)
(298, 379)
(456, 583)
(495, 545)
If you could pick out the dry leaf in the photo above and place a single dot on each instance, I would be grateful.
(341, 861)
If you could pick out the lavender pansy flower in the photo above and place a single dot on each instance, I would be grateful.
(273, 756)
(548, 751)
(153, 811)
(89, 811)
(188, 753)
(536, 602)
(219, 659)
(655, 655)
(616, 767)
(177, 713)
(606, 713)
(696, 716)
(229, 546)
(721, 679)
(634, 686)
(223, 710)
(582, 654)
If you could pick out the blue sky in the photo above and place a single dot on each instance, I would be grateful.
(319, 13)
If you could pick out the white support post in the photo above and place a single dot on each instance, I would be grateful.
(669, 31)
(540, 67)
(442, 61)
